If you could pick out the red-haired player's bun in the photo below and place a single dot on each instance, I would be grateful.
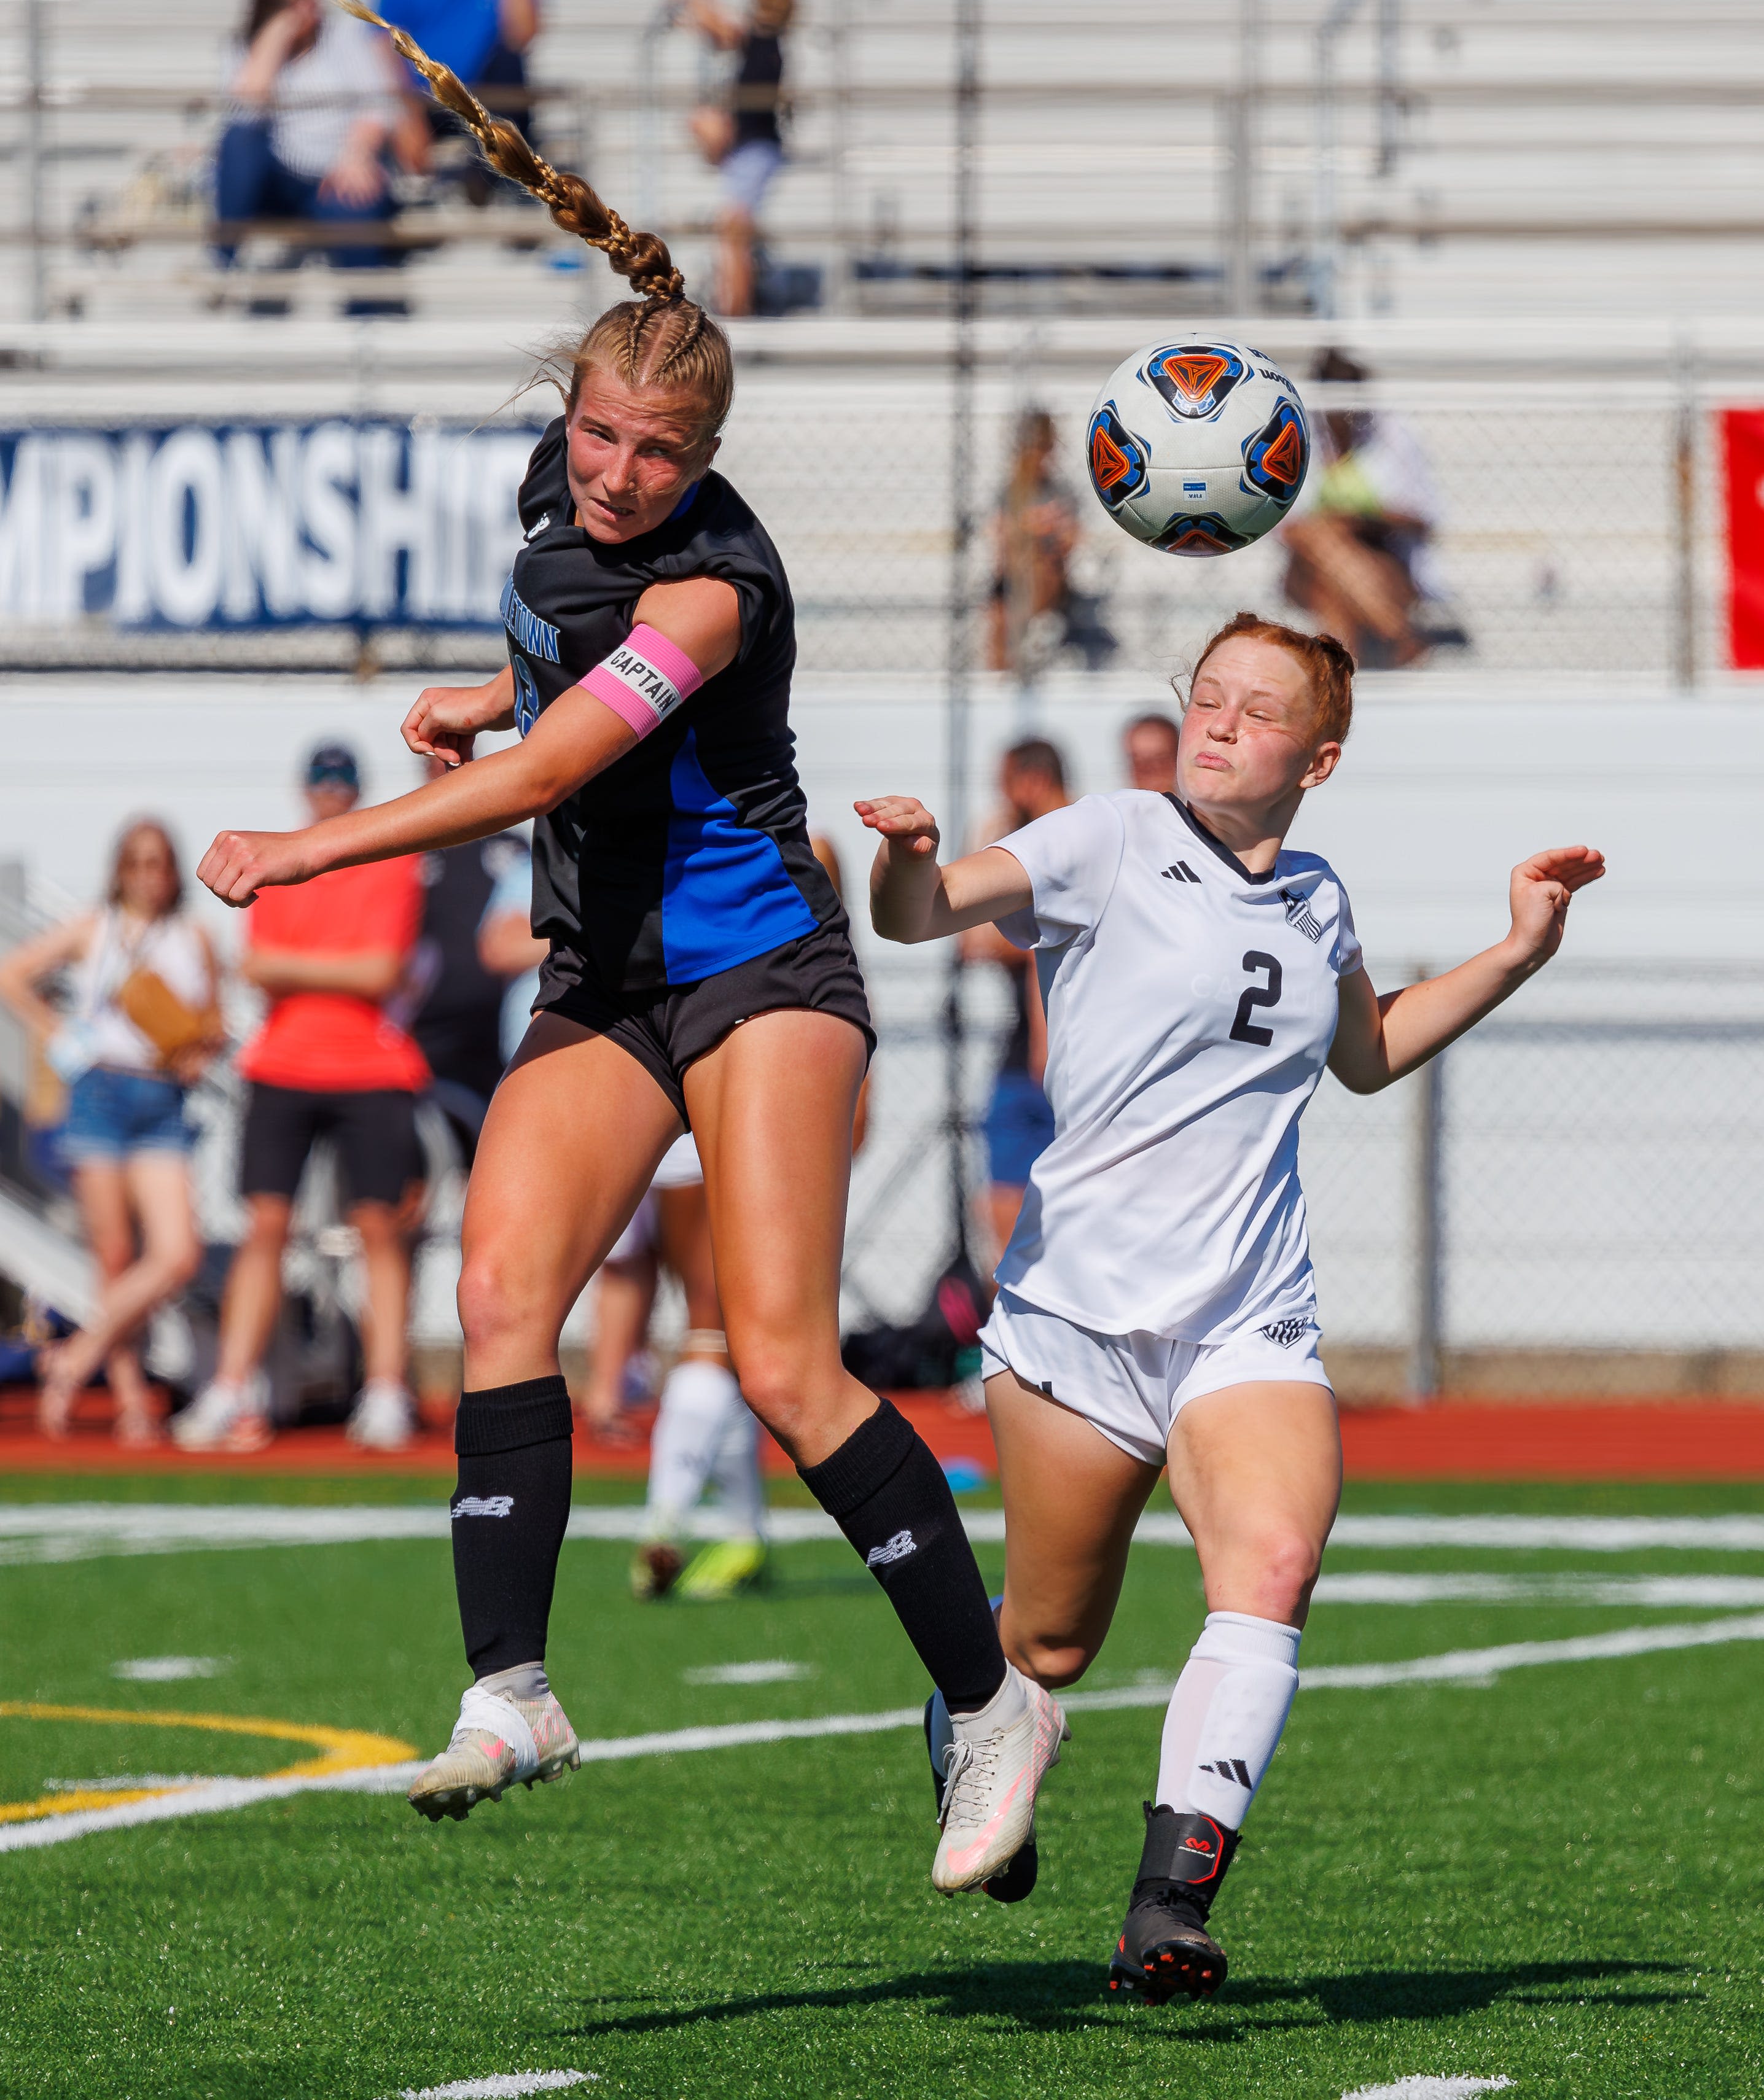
(1330, 666)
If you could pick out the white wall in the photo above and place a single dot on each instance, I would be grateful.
(1443, 787)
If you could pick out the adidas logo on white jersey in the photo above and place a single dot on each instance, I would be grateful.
(897, 1548)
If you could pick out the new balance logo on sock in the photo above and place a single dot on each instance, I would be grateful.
(896, 1549)
(1299, 914)
(1283, 1333)
(1181, 872)
(483, 1506)
(1233, 1769)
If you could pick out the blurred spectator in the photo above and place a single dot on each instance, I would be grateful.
(485, 43)
(143, 1023)
(451, 999)
(1360, 559)
(1034, 533)
(327, 1063)
(509, 950)
(317, 97)
(1148, 744)
(741, 137)
(1019, 1124)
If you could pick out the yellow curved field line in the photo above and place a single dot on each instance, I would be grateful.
(345, 1749)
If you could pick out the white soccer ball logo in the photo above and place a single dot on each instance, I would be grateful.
(1197, 447)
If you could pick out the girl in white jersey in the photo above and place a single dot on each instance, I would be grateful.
(1156, 1304)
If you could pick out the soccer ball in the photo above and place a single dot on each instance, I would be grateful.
(1198, 447)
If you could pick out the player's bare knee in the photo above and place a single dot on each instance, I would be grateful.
(491, 1303)
(1052, 1661)
(1285, 1571)
(775, 1382)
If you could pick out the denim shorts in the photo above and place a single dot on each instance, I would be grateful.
(1018, 1126)
(747, 171)
(114, 1115)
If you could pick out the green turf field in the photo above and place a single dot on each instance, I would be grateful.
(1553, 1877)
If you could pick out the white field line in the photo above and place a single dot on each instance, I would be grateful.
(207, 1797)
(78, 1531)
(502, 2085)
(1423, 2088)
(1666, 1592)
(1476, 1666)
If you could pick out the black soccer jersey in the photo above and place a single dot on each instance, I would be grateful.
(690, 854)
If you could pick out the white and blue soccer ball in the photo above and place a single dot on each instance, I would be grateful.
(1198, 447)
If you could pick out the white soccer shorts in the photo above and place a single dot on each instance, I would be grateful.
(1132, 1387)
(679, 1169)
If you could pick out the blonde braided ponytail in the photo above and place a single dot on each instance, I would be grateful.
(640, 258)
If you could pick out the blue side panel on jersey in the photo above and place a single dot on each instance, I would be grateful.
(726, 894)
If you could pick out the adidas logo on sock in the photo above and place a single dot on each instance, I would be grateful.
(1233, 1769)
(483, 1506)
(896, 1549)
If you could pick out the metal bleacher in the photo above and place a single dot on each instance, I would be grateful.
(1473, 157)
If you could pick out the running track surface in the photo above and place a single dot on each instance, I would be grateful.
(1677, 1440)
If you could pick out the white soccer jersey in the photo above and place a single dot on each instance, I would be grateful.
(1190, 1006)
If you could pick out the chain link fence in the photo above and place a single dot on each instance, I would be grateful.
(1577, 531)
(1565, 541)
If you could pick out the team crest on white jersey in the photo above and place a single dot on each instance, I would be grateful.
(1299, 914)
(1285, 1333)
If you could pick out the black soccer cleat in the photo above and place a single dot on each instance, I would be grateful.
(1165, 1948)
(1018, 1877)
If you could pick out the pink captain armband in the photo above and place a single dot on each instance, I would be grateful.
(644, 680)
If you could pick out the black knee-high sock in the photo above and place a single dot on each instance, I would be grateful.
(888, 1495)
(509, 1512)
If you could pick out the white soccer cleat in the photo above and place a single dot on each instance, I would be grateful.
(226, 1417)
(498, 1741)
(384, 1418)
(992, 1771)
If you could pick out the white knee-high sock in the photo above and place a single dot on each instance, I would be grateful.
(690, 1427)
(735, 1469)
(1226, 1715)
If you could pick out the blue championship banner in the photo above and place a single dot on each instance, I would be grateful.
(253, 525)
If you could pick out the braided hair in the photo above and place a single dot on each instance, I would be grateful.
(661, 338)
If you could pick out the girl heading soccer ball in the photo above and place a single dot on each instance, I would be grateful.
(701, 976)
(1156, 1303)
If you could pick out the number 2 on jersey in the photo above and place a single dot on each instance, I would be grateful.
(1244, 1030)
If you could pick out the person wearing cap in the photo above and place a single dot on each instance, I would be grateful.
(327, 1062)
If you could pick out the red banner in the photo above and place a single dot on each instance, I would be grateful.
(1742, 447)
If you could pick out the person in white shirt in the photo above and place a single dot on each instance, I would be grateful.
(1155, 1303)
(315, 100)
(141, 1025)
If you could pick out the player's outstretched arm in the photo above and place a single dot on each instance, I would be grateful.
(576, 737)
(1378, 1040)
(912, 898)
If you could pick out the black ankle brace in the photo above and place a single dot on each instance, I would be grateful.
(1191, 1851)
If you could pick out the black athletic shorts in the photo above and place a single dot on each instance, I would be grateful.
(666, 1029)
(378, 1155)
